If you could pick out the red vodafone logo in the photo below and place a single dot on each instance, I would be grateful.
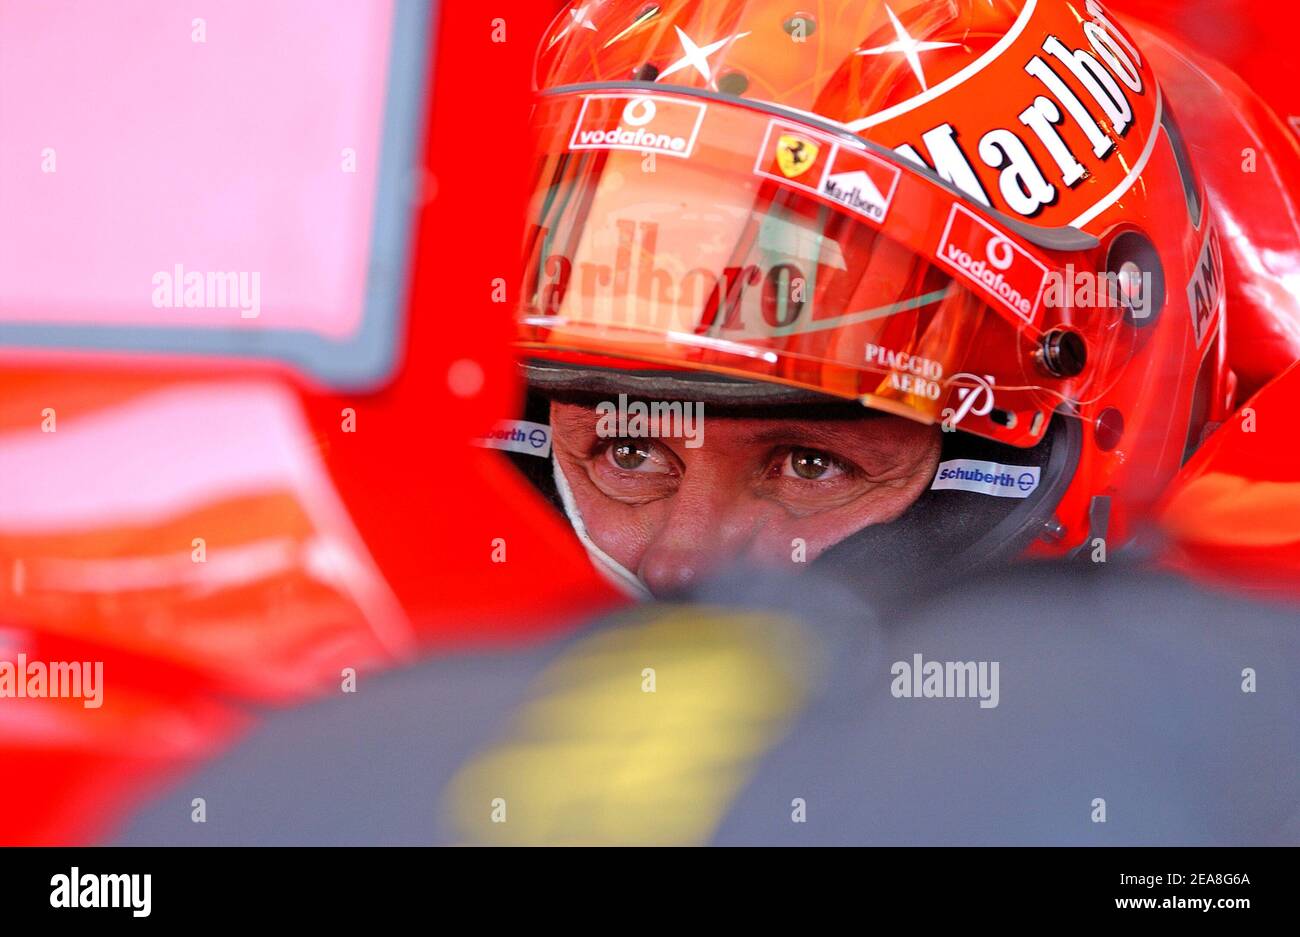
(977, 251)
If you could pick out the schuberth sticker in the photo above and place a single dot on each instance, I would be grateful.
(987, 478)
(519, 436)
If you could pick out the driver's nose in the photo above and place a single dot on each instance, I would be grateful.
(710, 525)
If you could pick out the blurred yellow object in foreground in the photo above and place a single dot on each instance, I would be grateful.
(641, 734)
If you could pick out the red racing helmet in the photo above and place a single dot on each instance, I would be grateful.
(975, 214)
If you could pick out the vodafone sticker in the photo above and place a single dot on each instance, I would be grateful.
(980, 252)
(643, 123)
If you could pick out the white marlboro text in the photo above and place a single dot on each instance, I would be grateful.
(1030, 158)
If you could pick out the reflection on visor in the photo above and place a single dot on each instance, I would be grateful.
(714, 237)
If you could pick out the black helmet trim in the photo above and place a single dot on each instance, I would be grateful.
(553, 378)
(962, 531)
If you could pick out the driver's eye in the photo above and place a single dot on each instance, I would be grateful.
(629, 456)
(811, 464)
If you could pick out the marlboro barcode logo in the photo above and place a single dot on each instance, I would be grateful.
(861, 183)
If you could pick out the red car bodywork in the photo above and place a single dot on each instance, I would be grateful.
(408, 511)
(382, 543)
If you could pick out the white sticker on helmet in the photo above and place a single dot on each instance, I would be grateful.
(987, 478)
(519, 436)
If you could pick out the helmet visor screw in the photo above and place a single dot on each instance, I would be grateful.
(1131, 293)
(800, 26)
(1062, 353)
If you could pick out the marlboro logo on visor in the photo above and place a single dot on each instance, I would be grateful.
(769, 248)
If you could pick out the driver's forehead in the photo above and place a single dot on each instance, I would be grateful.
(732, 431)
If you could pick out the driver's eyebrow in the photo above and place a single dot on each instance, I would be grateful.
(849, 435)
(575, 420)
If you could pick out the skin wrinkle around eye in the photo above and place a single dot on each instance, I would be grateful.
(727, 499)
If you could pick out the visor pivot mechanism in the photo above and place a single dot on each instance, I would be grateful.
(1053, 530)
(1062, 353)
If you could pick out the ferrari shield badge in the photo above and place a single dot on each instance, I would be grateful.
(795, 154)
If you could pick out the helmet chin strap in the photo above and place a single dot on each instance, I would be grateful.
(610, 568)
